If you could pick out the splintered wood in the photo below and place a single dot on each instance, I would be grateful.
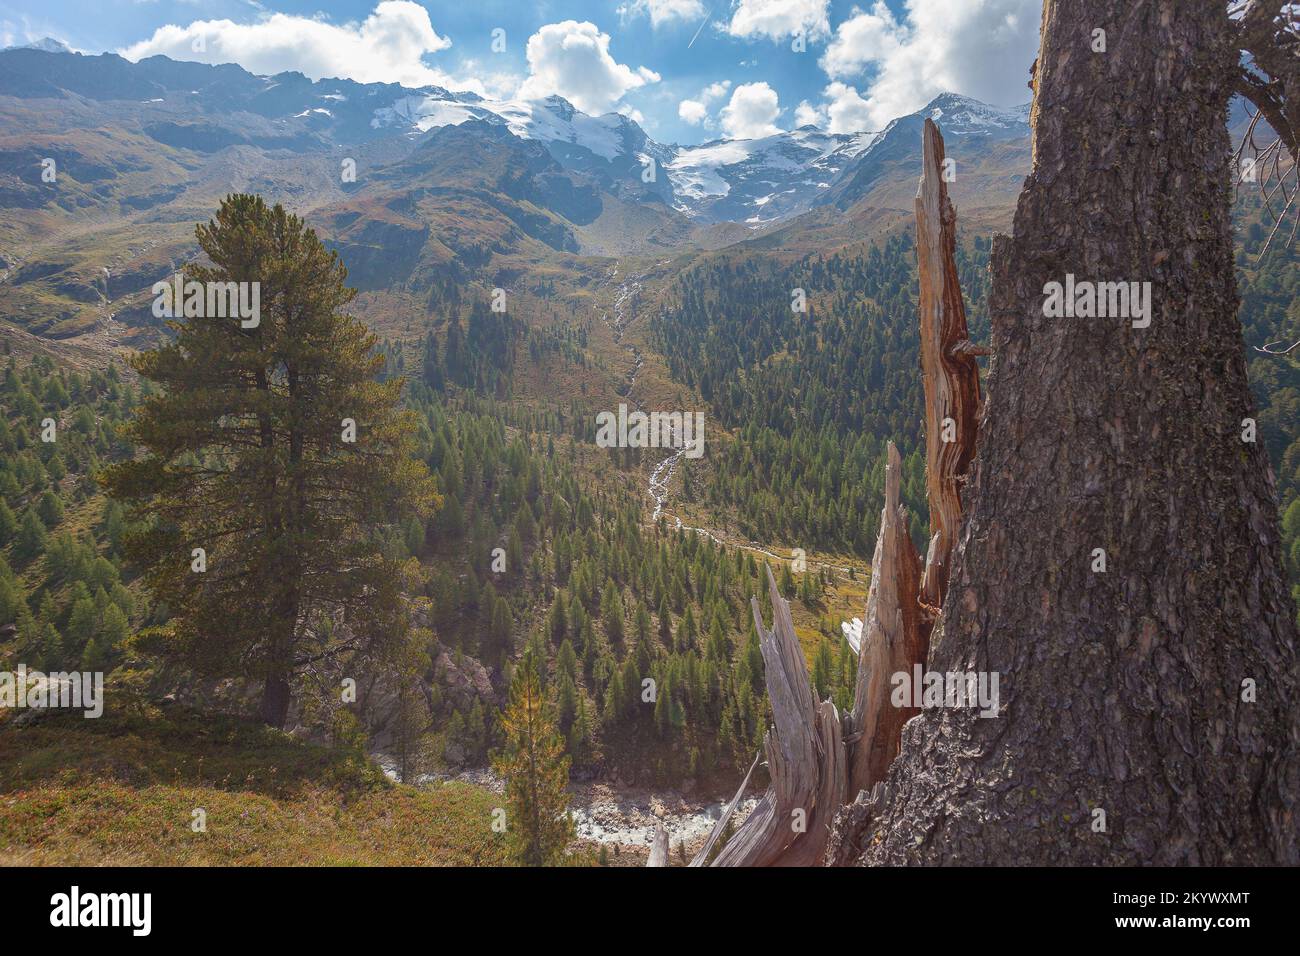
(948, 368)
(805, 761)
(894, 637)
(659, 847)
(817, 763)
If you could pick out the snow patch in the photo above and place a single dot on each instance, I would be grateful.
(545, 120)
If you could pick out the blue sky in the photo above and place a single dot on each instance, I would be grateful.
(688, 70)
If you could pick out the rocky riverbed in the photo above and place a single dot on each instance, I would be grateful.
(621, 817)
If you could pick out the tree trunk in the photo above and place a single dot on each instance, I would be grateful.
(1127, 732)
(948, 367)
(805, 760)
(894, 637)
(658, 847)
(274, 709)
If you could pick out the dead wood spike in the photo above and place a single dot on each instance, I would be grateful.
(894, 638)
(805, 760)
(948, 367)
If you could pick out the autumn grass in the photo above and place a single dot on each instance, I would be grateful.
(123, 790)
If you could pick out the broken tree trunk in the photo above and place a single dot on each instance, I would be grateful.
(805, 759)
(904, 601)
(1119, 565)
(894, 637)
(658, 847)
(702, 858)
(948, 367)
(896, 628)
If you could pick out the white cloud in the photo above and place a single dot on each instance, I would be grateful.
(980, 49)
(847, 111)
(662, 11)
(714, 91)
(387, 47)
(780, 19)
(752, 112)
(572, 60)
(693, 112)
(696, 111)
(805, 114)
(862, 39)
(632, 113)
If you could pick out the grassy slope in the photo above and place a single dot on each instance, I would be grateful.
(122, 790)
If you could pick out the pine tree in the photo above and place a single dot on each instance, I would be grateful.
(8, 524)
(787, 581)
(611, 612)
(248, 456)
(113, 629)
(823, 667)
(50, 509)
(581, 743)
(32, 537)
(81, 627)
(432, 374)
(665, 624)
(536, 772)
(566, 703)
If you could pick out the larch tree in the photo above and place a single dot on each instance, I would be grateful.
(273, 462)
(536, 771)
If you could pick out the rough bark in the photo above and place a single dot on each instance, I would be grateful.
(274, 707)
(948, 367)
(894, 637)
(1121, 690)
(805, 759)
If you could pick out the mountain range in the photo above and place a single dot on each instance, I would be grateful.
(417, 188)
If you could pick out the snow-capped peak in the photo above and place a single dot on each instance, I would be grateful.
(756, 181)
(550, 120)
(45, 44)
(961, 114)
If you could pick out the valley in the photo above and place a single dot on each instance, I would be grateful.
(626, 577)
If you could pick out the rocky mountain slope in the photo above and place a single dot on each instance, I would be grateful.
(106, 164)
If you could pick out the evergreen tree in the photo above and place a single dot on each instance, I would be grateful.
(8, 524)
(536, 772)
(50, 509)
(787, 581)
(248, 456)
(611, 613)
(32, 537)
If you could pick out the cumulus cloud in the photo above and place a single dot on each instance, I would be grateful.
(752, 112)
(982, 50)
(715, 91)
(632, 113)
(696, 111)
(692, 111)
(662, 11)
(805, 114)
(572, 60)
(780, 19)
(862, 39)
(846, 110)
(386, 47)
